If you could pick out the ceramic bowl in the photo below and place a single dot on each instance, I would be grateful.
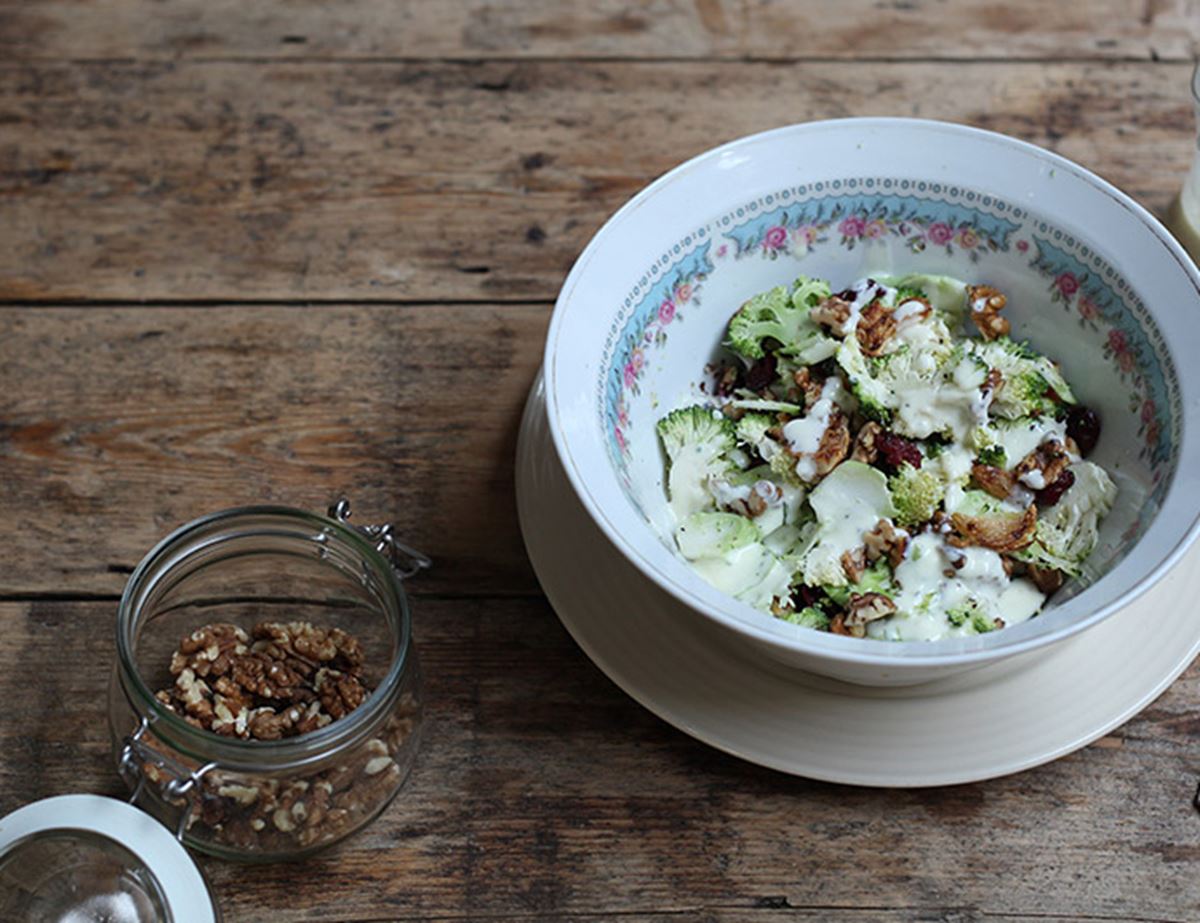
(1093, 281)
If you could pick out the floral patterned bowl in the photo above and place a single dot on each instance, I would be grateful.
(1093, 281)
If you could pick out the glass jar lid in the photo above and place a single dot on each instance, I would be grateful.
(85, 858)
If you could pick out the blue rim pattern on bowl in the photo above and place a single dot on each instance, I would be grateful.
(859, 210)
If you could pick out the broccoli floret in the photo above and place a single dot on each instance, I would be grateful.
(771, 318)
(958, 617)
(751, 430)
(872, 395)
(808, 617)
(982, 624)
(697, 441)
(875, 579)
(1031, 385)
(808, 293)
(917, 494)
(993, 455)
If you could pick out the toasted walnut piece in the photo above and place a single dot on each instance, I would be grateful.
(994, 379)
(267, 724)
(727, 381)
(876, 326)
(865, 448)
(835, 444)
(996, 481)
(986, 303)
(833, 313)
(867, 607)
(340, 693)
(809, 386)
(1050, 458)
(1047, 579)
(886, 541)
(838, 626)
(1000, 532)
(854, 563)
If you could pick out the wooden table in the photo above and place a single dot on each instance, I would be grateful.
(280, 251)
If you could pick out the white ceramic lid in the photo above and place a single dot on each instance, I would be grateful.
(101, 834)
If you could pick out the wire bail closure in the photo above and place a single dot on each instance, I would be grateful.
(175, 788)
(405, 560)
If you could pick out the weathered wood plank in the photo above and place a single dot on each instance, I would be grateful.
(455, 181)
(915, 29)
(543, 792)
(118, 425)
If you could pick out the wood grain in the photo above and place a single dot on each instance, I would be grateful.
(116, 426)
(459, 181)
(542, 792)
(714, 29)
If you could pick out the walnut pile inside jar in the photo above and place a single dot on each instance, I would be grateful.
(282, 680)
(279, 681)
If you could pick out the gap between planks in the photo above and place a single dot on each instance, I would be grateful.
(715, 61)
(124, 303)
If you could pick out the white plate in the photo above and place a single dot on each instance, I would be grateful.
(989, 723)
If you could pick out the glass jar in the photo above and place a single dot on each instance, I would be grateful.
(255, 799)
(1183, 217)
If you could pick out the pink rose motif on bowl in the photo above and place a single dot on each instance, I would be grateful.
(666, 312)
(940, 233)
(775, 238)
(1067, 284)
(1022, 245)
(1087, 308)
(852, 227)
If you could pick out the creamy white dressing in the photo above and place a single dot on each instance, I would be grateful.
(727, 494)
(751, 573)
(936, 579)
(804, 435)
(1035, 479)
(1023, 437)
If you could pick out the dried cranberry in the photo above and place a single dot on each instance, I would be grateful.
(805, 596)
(762, 373)
(826, 368)
(1052, 493)
(895, 451)
(1083, 425)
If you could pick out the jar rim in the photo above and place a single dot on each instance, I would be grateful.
(233, 752)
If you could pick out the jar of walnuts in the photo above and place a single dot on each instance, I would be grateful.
(266, 701)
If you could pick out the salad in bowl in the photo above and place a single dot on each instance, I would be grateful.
(885, 461)
(850, 375)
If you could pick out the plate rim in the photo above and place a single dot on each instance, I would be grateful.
(534, 418)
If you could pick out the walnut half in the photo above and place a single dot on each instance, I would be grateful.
(868, 607)
(985, 304)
